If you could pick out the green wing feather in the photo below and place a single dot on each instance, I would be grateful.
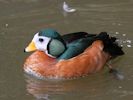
(76, 47)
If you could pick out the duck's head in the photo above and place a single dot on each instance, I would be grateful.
(48, 41)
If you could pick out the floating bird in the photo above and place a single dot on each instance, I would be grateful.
(69, 56)
(66, 8)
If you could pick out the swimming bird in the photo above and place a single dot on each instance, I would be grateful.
(66, 8)
(69, 56)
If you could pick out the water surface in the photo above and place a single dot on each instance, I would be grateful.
(20, 19)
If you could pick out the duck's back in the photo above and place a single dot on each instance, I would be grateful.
(76, 47)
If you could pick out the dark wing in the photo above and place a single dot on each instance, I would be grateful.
(76, 47)
(68, 38)
(110, 44)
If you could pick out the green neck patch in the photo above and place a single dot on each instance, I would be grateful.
(56, 48)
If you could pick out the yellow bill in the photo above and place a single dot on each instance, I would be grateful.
(30, 47)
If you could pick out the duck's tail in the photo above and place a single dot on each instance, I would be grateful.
(110, 44)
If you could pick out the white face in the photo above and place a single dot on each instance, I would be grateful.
(41, 42)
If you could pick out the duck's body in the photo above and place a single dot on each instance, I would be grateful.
(83, 54)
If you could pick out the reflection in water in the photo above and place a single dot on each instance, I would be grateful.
(47, 89)
(42, 89)
(38, 88)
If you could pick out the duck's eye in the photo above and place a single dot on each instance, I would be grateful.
(41, 40)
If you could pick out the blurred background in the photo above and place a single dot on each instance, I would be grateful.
(21, 19)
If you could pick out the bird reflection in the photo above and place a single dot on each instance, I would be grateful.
(44, 89)
(48, 89)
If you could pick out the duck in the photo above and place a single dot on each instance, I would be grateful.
(69, 56)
